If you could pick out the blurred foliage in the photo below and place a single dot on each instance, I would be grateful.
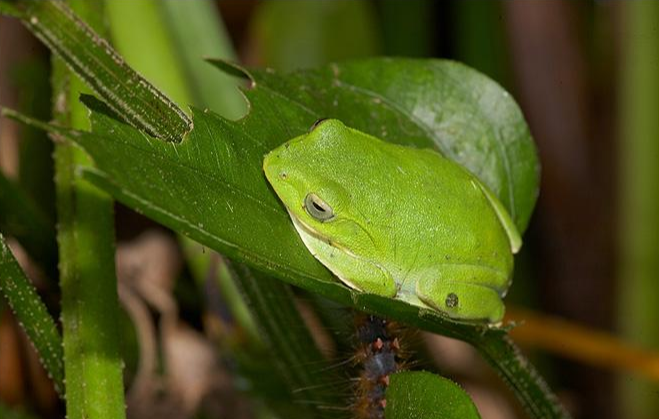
(32, 314)
(639, 227)
(293, 34)
(289, 35)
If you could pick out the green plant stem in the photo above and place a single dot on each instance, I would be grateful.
(639, 223)
(32, 315)
(90, 311)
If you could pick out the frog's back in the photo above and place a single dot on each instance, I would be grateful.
(435, 211)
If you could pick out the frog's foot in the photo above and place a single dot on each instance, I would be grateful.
(366, 277)
(461, 300)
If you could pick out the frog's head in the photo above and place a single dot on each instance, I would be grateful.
(315, 187)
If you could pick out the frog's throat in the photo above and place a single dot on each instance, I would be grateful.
(304, 228)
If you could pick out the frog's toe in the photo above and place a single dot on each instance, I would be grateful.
(462, 300)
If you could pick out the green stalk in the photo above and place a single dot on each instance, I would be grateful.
(639, 223)
(32, 315)
(90, 310)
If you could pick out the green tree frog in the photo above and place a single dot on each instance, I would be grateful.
(397, 221)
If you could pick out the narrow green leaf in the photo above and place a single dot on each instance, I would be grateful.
(423, 395)
(32, 314)
(141, 36)
(104, 71)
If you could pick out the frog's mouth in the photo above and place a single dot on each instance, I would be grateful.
(305, 230)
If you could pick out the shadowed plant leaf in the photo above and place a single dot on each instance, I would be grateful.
(32, 315)
(423, 395)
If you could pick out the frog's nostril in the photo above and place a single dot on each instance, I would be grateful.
(283, 175)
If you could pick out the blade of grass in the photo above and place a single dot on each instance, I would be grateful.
(102, 69)
(32, 314)
(90, 311)
(639, 223)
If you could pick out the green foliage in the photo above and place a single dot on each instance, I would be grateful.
(7, 412)
(197, 32)
(639, 226)
(32, 314)
(102, 69)
(422, 395)
(272, 310)
(211, 186)
(21, 218)
(293, 34)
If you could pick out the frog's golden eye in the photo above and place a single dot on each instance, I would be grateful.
(318, 122)
(317, 208)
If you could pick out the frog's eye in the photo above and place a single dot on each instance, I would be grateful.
(318, 122)
(318, 208)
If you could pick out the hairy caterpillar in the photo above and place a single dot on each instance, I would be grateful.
(378, 355)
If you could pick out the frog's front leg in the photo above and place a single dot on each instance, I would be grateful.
(447, 290)
(358, 273)
(366, 276)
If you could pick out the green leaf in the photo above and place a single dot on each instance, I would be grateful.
(32, 314)
(425, 103)
(423, 395)
(211, 186)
